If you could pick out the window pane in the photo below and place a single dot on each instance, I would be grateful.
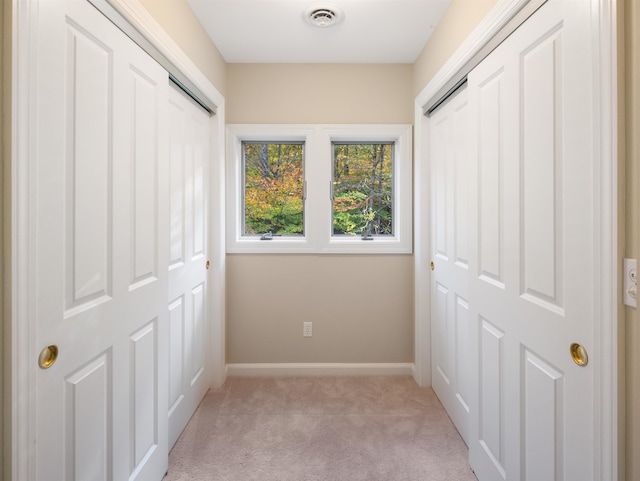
(362, 188)
(273, 188)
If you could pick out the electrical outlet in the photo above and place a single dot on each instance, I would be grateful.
(307, 330)
(630, 283)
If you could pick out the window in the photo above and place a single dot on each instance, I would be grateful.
(319, 188)
(362, 189)
(273, 188)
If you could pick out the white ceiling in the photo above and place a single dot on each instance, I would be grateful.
(274, 31)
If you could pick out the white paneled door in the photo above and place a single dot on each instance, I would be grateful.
(189, 167)
(532, 290)
(452, 363)
(100, 249)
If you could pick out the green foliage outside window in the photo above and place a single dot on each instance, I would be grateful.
(273, 188)
(362, 189)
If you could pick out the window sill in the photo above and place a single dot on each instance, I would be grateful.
(335, 246)
(273, 246)
(356, 245)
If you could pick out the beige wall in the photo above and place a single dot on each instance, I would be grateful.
(361, 306)
(5, 156)
(457, 23)
(319, 93)
(632, 220)
(179, 21)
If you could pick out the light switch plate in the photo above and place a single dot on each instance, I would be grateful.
(307, 329)
(630, 283)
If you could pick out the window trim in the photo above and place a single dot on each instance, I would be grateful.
(318, 174)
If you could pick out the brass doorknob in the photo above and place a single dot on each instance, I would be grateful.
(48, 356)
(579, 354)
(433, 266)
(207, 265)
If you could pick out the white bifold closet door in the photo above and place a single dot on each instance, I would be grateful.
(452, 362)
(533, 292)
(514, 244)
(187, 269)
(99, 249)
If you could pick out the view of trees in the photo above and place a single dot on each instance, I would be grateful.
(362, 189)
(273, 190)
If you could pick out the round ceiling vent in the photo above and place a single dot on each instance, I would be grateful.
(323, 16)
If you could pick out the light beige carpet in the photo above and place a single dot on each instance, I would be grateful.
(320, 429)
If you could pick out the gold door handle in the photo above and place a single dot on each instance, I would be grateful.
(433, 266)
(207, 265)
(579, 354)
(48, 356)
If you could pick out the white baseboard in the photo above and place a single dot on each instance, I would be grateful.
(321, 369)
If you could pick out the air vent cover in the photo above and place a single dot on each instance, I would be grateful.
(323, 16)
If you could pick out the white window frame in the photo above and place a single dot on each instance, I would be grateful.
(401, 240)
(236, 241)
(318, 171)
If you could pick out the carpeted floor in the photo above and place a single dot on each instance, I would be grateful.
(320, 429)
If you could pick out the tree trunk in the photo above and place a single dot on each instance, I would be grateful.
(264, 161)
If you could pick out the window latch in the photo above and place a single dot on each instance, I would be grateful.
(367, 236)
(268, 236)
